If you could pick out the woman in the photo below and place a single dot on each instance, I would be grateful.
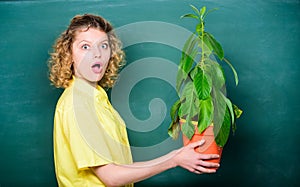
(91, 147)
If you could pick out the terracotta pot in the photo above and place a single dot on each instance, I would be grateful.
(209, 147)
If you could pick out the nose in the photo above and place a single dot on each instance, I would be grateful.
(97, 52)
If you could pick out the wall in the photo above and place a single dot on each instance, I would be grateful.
(260, 38)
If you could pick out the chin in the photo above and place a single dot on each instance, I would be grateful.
(96, 79)
(93, 78)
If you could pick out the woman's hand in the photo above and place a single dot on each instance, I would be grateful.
(193, 161)
(186, 157)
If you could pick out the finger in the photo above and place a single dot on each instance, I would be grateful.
(197, 172)
(194, 170)
(197, 144)
(208, 164)
(208, 156)
(205, 170)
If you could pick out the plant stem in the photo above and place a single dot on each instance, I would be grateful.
(202, 43)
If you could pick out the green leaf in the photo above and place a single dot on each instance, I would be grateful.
(203, 84)
(188, 108)
(188, 129)
(174, 109)
(237, 112)
(234, 72)
(188, 55)
(209, 11)
(219, 110)
(219, 76)
(215, 45)
(174, 127)
(207, 44)
(205, 114)
(195, 9)
(188, 51)
(199, 28)
(230, 107)
(202, 12)
(190, 16)
(217, 73)
(189, 60)
(188, 104)
(223, 133)
(184, 70)
(181, 76)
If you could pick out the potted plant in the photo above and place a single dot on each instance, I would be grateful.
(203, 110)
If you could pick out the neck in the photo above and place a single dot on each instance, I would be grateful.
(93, 84)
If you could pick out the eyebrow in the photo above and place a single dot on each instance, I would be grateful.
(100, 41)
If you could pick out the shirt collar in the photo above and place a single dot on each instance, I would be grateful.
(88, 89)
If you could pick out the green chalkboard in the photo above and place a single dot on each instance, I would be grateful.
(260, 38)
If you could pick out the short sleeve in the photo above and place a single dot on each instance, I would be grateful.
(82, 154)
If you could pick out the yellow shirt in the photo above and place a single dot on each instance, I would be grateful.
(87, 132)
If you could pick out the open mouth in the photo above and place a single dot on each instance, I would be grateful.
(96, 68)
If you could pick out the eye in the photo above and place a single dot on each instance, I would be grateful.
(104, 46)
(85, 46)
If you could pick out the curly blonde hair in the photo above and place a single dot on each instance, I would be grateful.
(61, 63)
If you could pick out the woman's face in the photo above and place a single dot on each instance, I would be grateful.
(90, 53)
